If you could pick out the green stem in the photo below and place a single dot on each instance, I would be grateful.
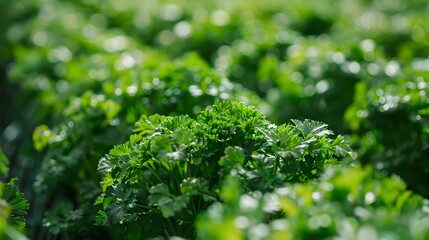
(194, 209)
(146, 207)
(151, 168)
(276, 164)
(170, 227)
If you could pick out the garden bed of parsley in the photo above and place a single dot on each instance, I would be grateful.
(144, 119)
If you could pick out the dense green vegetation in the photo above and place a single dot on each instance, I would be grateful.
(172, 166)
(304, 119)
(13, 206)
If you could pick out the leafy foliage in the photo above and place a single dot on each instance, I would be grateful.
(98, 121)
(64, 218)
(86, 71)
(346, 203)
(13, 206)
(172, 166)
(389, 116)
(16, 204)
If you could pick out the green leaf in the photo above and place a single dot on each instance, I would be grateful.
(310, 127)
(17, 204)
(42, 137)
(101, 218)
(233, 156)
(163, 149)
(161, 144)
(107, 181)
(270, 134)
(105, 165)
(158, 190)
(183, 136)
(168, 203)
(193, 185)
(340, 146)
(63, 218)
(148, 124)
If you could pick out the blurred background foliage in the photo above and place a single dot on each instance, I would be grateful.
(76, 75)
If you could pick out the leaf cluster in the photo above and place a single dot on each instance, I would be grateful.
(345, 203)
(87, 70)
(94, 122)
(13, 206)
(389, 117)
(172, 167)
